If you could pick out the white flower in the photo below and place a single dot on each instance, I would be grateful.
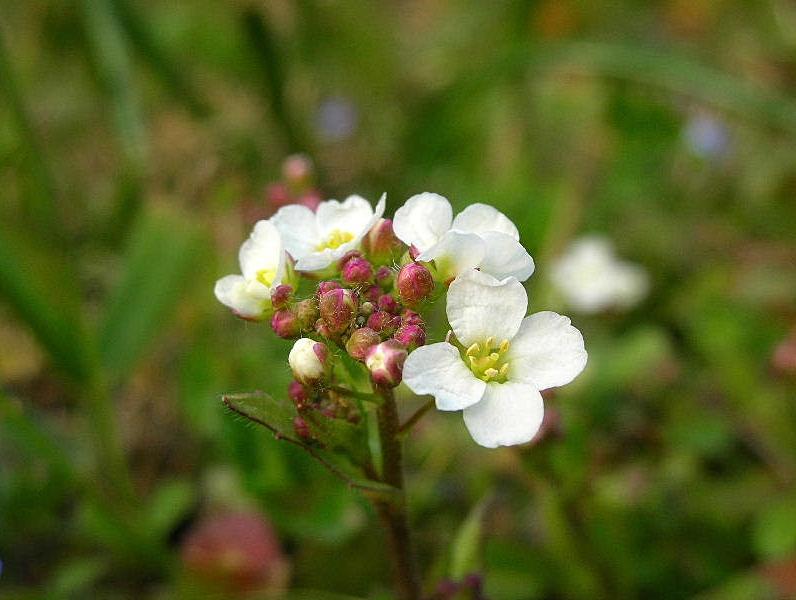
(262, 262)
(507, 358)
(592, 279)
(307, 359)
(479, 237)
(317, 239)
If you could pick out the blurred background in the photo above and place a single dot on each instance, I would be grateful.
(139, 142)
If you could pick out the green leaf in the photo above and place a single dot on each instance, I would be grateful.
(162, 252)
(263, 409)
(77, 576)
(170, 503)
(466, 548)
(340, 436)
(775, 530)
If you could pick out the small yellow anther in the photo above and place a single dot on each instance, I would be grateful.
(504, 347)
(494, 357)
(473, 350)
(472, 360)
(490, 341)
(490, 373)
(504, 369)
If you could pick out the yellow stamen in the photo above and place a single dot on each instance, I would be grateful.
(266, 276)
(490, 373)
(335, 239)
(473, 350)
(504, 347)
(504, 369)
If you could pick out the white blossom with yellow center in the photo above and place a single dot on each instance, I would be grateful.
(506, 359)
(262, 264)
(318, 239)
(479, 237)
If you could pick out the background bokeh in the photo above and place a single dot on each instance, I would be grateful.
(137, 143)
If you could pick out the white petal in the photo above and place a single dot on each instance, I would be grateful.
(438, 369)
(455, 253)
(547, 351)
(509, 414)
(505, 257)
(422, 220)
(263, 250)
(479, 306)
(632, 284)
(248, 299)
(354, 215)
(480, 218)
(297, 225)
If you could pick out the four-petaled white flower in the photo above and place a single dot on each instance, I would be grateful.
(507, 358)
(592, 279)
(317, 239)
(262, 262)
(479, 237)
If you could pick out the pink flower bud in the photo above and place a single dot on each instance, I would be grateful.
(414, 283)
(298, 394)
(410, 317)
(285, 324)
(385, 277)
(414, 252)
(383, 322)
(357, 270)
(301, 428)
(237, 552)
(361, 341)
(411, 336)
(338, 309)
(389, 304)
(323, 329)
(310, 199)
(385, 362)
(281, 296)
(380, 242)
(326, 286)
(277, 196)
(372, 294)
(784, 357)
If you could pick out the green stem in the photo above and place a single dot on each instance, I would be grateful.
(394, 514)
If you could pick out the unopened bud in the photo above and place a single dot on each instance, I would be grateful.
(414, 283)
(298, 394)
(285, 324)
(297, 171)
(385, 277)
(338, 309)
(380, 243)
(357, 270)
(411, 336)
(372, 294)
(281, 296)
(361, 341)
(327, 286)
(306, 313)
(277, 196)
(301, 428)
(366, 309)
(385, 362)
(310, 199)
(410, 317)
(307, 359)
(389, 304)
(383, 322)
(323, 329)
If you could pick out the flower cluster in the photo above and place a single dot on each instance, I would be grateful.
(350, 286)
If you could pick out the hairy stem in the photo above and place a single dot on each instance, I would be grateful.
(394, 514)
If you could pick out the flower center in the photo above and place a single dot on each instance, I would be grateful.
(336, 239)
(488, 361)
(266, 277)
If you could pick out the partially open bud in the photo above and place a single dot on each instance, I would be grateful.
(281, 296)
(385, 362)
(381, 243)
(307, 359)
(411, 336)
(357, 270)
(338, 309)
(361, 341)
(383, 322)
(389, 304)
(414, 283)
(285, 324)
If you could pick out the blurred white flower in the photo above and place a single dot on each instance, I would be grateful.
(508, 358)
(317, 239)
(262, 262)
(592, 279)
(479, 237)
